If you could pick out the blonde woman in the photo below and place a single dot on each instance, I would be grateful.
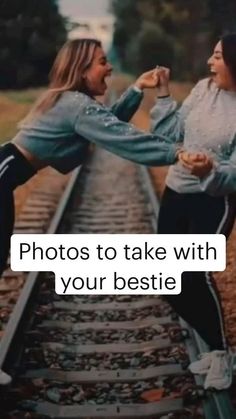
(67, 117)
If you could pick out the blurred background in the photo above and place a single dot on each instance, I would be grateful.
(136, 35)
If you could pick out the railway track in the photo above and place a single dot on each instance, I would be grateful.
(102, 356)
(35, 217)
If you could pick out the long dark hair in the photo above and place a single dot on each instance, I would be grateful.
(229, 53)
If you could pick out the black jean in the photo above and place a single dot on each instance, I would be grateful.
(14, 170)
(199, 302)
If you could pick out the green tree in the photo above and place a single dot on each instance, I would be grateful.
(127, 25)
(222, 14)
(31, 32)
(179, 33)
(150, 37)
(156, 31)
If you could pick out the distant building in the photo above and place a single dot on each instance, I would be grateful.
(94, 27)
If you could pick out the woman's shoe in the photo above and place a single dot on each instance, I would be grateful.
(219, 376)
(202, 366)
(5, 379)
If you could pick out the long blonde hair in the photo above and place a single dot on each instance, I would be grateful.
(67, 73)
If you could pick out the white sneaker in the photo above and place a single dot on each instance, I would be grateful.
(202, 366)
(219, 376)
(5, 379)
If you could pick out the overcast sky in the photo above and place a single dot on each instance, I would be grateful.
(78, 8)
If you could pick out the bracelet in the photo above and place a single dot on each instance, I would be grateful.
(163, 97)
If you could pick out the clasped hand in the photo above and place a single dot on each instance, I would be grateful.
(148, 80)
(199, 164)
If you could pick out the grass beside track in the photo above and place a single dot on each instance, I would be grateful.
(14, 105)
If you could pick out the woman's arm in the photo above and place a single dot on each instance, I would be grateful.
(166, 118)
(126, 106)
(222, 178)
(216, 178)
(97, 124)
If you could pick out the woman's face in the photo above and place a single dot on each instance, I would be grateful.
(220, 73)
(97, 72)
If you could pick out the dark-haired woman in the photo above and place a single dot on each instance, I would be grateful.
(200, 189)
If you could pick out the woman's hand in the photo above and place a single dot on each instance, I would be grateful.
(147, 80)
(199, 164)
(163, 83)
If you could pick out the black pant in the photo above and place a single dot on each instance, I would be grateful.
(199, 302)
(14, 170)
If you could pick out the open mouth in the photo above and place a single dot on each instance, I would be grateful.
(103, 81)
(213, 73)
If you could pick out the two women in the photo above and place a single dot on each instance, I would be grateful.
(200, 190)
(67, 117)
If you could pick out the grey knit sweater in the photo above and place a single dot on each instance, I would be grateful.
(206, 122)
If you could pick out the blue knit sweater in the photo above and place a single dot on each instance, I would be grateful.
(60, 137)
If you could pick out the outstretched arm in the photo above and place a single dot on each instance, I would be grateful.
(98, 124)
(126, 106)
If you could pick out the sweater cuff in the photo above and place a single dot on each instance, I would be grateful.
(136, 89)
(172, 154)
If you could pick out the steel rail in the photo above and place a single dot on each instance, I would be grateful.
(10, 342)
(216, 406)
